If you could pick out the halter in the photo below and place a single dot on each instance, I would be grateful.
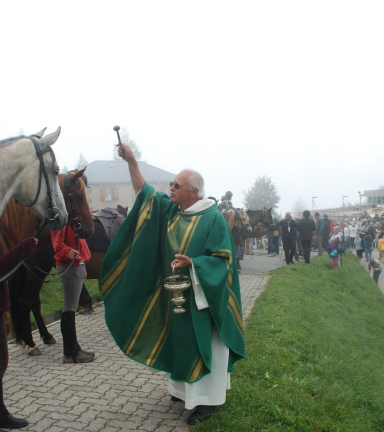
(265, 220)
(77, 225)
(52, 212)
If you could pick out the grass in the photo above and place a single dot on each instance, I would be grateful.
(51, 297)
(315, 350)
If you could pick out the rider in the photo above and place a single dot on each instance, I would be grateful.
(63, 243)
(226, 203)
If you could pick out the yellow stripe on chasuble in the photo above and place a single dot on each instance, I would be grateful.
(237, 315)
(116, 273)
(143, 216)
(189, 234)
(172, 223)
(143, 318)
(112, 278)
(197, 370)
(163, 337)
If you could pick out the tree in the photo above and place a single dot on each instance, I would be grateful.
(298, 207)
(82, 162)
(65, 169)
(262, 194)
(124, 136)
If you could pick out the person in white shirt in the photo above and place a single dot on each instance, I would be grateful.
(352, 235)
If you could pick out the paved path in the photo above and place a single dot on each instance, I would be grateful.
(112, 393)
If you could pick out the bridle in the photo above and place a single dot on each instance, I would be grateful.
(266, 219)
(52, 212)
(77, 227)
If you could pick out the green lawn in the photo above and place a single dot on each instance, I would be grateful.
(315, 351)
(51, 297)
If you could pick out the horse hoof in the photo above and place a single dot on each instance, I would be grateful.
(51, 341)
(34, 351)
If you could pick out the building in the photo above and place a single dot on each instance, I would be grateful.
(375, 197)
(110, 184)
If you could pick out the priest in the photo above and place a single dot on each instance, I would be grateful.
(197, 349)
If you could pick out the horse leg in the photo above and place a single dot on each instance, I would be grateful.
(48, 339)
(85, 299)
(20, 308)
(26, 333)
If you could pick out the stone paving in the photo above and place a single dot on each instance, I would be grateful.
(112, 393)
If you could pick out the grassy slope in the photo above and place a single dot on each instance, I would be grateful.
(51, 297)
(314, 354)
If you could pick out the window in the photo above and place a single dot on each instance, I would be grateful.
(108, 194)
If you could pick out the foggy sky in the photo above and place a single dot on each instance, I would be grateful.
(235, 90)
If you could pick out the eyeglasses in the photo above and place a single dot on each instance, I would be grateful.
(177, 185)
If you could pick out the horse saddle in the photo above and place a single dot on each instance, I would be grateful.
(107, 222)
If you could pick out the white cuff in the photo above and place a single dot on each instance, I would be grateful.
(201, 301)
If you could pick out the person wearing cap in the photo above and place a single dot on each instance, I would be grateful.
(226, 203)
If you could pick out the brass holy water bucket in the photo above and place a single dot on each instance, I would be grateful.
(176, 284)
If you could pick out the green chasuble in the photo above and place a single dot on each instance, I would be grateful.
(138, 309)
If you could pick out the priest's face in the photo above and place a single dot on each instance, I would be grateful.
(181, 194)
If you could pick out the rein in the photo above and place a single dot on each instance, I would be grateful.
(39, 229)
(6, 276)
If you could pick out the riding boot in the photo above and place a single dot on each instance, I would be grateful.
(88, 353)
(67, 333)
(72, 350)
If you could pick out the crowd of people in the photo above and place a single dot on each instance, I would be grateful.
(300, 236)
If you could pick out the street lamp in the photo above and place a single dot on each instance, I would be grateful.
(344, 196)
(312, 202)
(361, 196)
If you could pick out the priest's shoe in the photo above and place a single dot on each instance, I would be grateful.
(11, 422)
(201, 413)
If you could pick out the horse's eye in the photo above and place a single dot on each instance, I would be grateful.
(80, 197)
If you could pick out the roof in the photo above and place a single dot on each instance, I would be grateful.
(112, 172)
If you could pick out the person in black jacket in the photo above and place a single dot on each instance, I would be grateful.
(289, 227)
(326, 232)
(306, 228)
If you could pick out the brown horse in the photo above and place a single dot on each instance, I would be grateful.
(18, 224)
(236, 217)
(98, 244)
(260, 217)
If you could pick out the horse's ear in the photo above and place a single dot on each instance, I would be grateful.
(78, 175)
(50, 138)
(270, 210)
(41, 133)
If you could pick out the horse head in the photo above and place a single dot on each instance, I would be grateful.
(30, 172)
(77, 203)
(230, 217)
(245, 220)
(267, 217)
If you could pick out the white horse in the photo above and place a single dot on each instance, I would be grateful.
(29, 173)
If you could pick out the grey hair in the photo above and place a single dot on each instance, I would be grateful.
(196, 181)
